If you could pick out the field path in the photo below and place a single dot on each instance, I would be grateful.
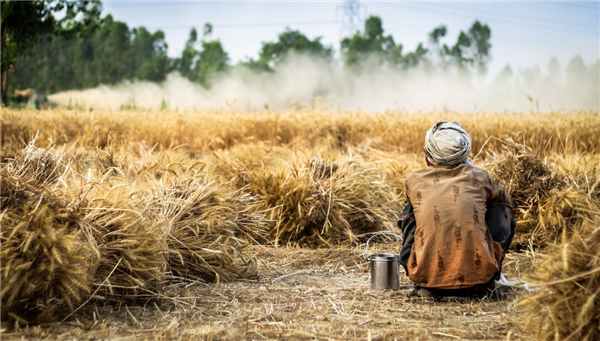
(301, 294)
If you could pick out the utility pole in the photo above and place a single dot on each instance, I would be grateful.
(352, 17)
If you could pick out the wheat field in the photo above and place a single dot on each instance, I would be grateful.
(137, 208)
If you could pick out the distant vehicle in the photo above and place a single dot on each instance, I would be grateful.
(23, 96)
(31, 99)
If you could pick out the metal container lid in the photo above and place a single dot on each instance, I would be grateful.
(385, 257)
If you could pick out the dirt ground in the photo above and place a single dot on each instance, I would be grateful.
(301, 294)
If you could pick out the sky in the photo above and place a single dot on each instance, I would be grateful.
(523, 33)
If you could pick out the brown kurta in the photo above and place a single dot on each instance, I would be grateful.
(453, 247)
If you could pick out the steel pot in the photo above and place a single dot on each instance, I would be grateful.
(385, 267)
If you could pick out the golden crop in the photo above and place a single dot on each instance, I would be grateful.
(173, 196)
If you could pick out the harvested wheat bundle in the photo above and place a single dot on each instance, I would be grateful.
(322, 202)
(563, 211)
(108, 162)
(583, 172)
(104, 163)
(251, 222)
(528, 179)
(204, 224)
(95, 164)
(131, 261)
(568, 305)
(3, 155)
(394, 165)
(236, 163)
(38, 164)
(522, 174)
(364, 198)
(46, 261)
(287, 196)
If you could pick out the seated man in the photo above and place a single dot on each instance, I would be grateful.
(458, 223)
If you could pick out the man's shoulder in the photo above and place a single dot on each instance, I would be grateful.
(483, 175)
(418, 173)
(463, 168)
(478, 171)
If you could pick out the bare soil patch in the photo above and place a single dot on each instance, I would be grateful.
(301, 294)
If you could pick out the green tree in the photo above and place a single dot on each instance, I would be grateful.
(438, 33)
(480, 35)
(371, 43)
(290, 41)
(413, 59)
(213, 60)
(189, 55)
(201, 65)
(108, 54)
(472, 48)
(112, 42)
(24, 23)
(149, 55)
(435, 37)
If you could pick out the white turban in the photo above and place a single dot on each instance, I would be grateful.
(447, 143)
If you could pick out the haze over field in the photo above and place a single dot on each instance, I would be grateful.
(300, 80)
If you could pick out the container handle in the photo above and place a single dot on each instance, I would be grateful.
(366, 255)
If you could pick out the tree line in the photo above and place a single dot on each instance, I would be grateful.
(111, 52)
(83, 50)
(23, 23)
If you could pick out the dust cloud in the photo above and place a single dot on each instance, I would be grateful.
(304, 82)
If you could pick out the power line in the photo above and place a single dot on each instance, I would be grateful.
(419, 31)
(463, 12)
(467, 15)
(398, 28)
(305, 23)
(353, 9)
(580, 4)
(528, 18)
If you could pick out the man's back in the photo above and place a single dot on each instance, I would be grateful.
(453, 247)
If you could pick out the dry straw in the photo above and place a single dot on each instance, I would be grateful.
(339, 129)
(45, 262)
(198, 222)
(38, 164)
(314, 201)
(137, 209)
(128, 244)
(108, 229)
(204, 224)
(567, 306)
(546, 202)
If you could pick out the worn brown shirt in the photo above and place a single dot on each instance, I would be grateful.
(453, 247)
